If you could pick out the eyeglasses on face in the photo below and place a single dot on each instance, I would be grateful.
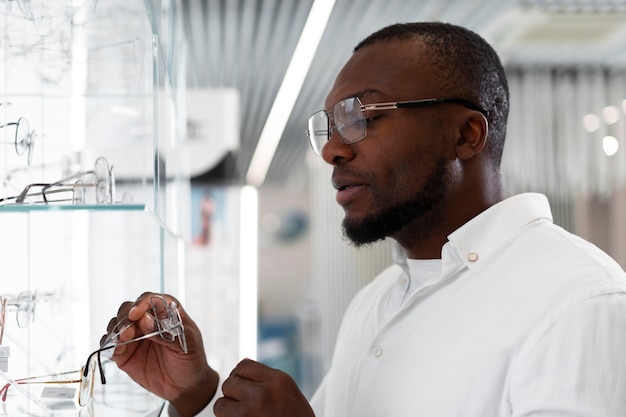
(71, 189)
(348, 118)
(24, 138)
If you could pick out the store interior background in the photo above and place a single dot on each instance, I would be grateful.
(567, 138)
(565, 59)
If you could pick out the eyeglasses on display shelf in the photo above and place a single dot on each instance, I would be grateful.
(24, 138)
(169, 327)
(23, 305)
(72, 189)
(85, 391)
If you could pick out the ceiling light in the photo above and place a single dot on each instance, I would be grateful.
(610, 114)
(289, 90)
(610, 145)
(591, 122)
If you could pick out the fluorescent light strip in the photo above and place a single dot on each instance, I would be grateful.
(248, 273)
(289, 90)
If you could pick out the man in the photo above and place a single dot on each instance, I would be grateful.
(489, 310)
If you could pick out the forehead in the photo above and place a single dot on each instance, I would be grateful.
(390, 70)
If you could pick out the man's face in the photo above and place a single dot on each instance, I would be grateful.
(397, 177)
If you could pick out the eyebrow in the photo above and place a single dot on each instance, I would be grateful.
(367, 92)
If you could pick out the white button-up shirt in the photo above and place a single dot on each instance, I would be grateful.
(520, 318)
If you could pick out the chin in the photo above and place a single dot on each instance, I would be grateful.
(362, 232)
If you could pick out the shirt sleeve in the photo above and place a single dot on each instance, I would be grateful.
(318, 401)
(576, 366)
(169, 411)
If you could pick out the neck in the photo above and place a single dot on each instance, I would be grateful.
(425, 236)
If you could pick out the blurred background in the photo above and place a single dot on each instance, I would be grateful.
(256, 253)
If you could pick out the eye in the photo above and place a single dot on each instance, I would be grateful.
(369, 120)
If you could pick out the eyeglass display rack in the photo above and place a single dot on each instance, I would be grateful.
(85, 79)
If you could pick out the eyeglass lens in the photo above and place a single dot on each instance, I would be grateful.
(85, 391)
(26, 302)
(104, 181)
(347, 117)
(168, 321)
(24, 138)
(23, 305)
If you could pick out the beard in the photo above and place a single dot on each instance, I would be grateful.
(393, 219)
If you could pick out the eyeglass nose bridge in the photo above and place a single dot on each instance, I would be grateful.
(332, 127)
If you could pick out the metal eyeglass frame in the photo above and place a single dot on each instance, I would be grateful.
(169, 327)
(322, 124)
(24, 306)
(24, 142)
(104, 184)
(85, 392)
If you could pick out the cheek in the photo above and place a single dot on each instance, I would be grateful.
(399, 178)
(406, 172)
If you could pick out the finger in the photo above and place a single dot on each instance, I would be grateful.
(143, 304)
(122, 312)
(111, 325)
(226, 407)
(251, 370)
(234, 387)
(111, 328)
(140, 306)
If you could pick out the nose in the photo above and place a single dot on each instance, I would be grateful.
(335, 151)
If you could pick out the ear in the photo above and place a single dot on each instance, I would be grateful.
(473, 135)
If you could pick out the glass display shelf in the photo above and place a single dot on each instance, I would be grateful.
(120, 397)
(79, 263)
(87, 92)
(26, 208)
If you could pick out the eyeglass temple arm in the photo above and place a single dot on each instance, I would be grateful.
(46, 187)
(26, 393)
(22, 196)
(421, 103)
(112, 346)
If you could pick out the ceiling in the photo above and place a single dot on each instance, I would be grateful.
(247, 45)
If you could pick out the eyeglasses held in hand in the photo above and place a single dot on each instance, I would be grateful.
(71, 189)
(24, 138)
(348, 118)
(169, 327)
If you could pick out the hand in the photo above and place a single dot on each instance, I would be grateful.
(256, 390)
(160, 366)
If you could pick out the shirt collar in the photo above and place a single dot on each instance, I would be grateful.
(479, 238)
(473, 242)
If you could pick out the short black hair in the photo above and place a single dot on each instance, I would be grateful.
(471, 69)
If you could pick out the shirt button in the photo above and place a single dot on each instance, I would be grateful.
(377, 351)
(472, 256)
